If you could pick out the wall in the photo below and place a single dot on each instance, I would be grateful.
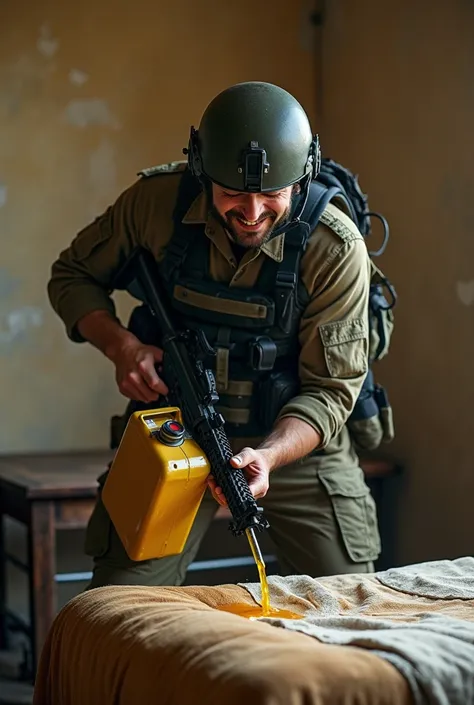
(90, 93)
(398, 108)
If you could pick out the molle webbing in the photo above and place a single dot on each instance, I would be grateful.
(219, 305)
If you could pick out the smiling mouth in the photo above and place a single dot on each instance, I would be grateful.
(251, 223)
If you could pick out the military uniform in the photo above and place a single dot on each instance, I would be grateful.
(322, 516)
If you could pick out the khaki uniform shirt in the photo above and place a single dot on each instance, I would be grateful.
(335, 270)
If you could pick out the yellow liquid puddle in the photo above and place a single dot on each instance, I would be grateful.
(255, 611)
(265, 610)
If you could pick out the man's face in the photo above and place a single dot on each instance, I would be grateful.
(250, 218)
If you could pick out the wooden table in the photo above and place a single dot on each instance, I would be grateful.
(46, 493)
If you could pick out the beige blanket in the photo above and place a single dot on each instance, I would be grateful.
(170, 646)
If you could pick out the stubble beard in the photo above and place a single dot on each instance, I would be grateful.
(250, 240)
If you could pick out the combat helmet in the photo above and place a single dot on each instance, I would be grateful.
(255, 137)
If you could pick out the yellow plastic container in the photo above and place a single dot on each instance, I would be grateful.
(155, 484)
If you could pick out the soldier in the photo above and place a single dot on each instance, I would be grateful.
(289, 326)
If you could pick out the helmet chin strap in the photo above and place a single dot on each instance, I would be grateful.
(314, 161)
(296, 221)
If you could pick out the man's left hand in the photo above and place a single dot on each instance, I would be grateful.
(256, 470)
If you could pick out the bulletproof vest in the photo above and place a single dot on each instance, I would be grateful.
(254, 332)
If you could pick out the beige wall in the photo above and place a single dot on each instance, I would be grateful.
(90, 93)
(398, 106)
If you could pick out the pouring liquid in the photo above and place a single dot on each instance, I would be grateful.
(256, 611)
(257, 554)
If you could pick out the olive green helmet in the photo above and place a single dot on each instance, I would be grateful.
(254, 137)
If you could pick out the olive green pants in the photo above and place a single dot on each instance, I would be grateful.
(322, 522)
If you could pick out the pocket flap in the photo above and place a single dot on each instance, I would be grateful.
(345, 345)
(343, 332)
(355, 512)
(347, 483)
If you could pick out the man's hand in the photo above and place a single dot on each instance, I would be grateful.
(290, 440)
(135, 371)
(256, 470)
(134, 362)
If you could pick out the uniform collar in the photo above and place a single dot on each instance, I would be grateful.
(198, 213)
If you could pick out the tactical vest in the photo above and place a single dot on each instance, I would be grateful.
(254, 332)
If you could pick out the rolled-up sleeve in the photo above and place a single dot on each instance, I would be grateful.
(334, 338)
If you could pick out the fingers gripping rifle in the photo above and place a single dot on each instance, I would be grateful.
(192, 388)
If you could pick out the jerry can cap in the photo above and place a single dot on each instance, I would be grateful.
(171, 433)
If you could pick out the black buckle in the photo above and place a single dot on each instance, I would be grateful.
(286, 280)
(263, 353)
(285, 298)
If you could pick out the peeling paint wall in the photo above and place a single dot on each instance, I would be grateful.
(89, 94)
(398, 107)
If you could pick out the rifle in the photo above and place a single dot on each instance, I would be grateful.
(192, 388)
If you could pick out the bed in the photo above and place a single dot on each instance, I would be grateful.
(399, 637)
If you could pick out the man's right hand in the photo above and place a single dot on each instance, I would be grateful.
(135, 371)
(135, 363)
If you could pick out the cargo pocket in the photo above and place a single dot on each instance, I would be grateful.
(355, 512)
(97, 540)
(345, 345)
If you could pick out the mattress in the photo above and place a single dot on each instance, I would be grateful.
(124, 645)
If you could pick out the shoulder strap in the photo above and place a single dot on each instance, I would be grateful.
(182, 236)
(286, 281)
(319, 197)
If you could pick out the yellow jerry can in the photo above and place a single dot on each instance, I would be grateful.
(156, 484)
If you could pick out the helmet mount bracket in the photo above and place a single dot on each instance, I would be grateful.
(253, 167)
(193, 153)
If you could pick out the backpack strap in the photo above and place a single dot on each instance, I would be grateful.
(296, 239)
(183, 236)
(320, 195)
(286, 278)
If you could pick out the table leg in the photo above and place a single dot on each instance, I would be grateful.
(42, 586)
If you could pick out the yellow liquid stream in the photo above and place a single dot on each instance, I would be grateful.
(257, 554)
(255, 611)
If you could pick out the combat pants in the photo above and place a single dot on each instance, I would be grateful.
(323, 522)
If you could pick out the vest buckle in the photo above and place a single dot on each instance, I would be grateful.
(285, 286)
(263, 353)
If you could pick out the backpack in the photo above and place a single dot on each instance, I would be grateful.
(371, 421)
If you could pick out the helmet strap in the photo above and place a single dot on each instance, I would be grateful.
(314, 165)
(296, 221)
